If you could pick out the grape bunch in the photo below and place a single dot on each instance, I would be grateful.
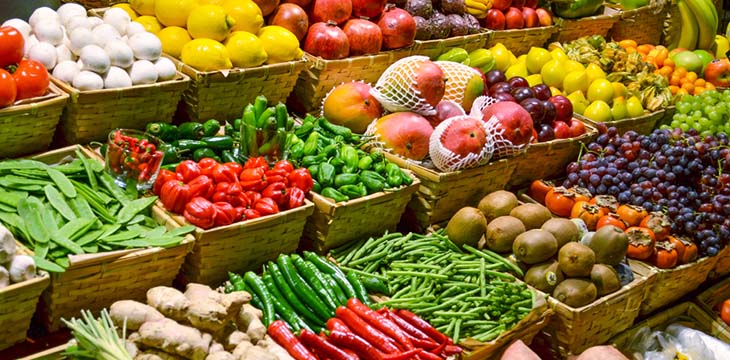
(708, 112)
(683, 174)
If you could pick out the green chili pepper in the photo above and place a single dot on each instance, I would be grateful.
(349, 155)
(219, 142)
(379, 167)
(281, 306)
(171, 155)
(316, 282)
(374, 285)
(211, 127)
(330, 150)
(310, 160)
(326, 175)
(360, 291)
(257, 285)
(353, 191)
(310, 146)
(337, 161)
(304, 130)
(343, 131)
(377, 155)
(288, 293)
(365, 163)
(227, 156)
(346, 179)
(334, 194)
(237, 124)
(259, 105)
(164, 131)
(373, 181)
(316, 187)
(229, 130)
(263, 119)
(302, 289)
(394, 175)
(190, 130)
(205, 153)
(186, 144)
(248, 132)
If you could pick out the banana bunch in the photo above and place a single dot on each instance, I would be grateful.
(698, 22)
(478, 8)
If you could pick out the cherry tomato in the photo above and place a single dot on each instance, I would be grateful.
(31, 78)
(725, 311)
(632, 214)
(665, 256)
(538, 190)
(590, 214)
(659, 223)
(641, 243)
(8, 91)
(12, 46)
(560, 201)
(679, 246)
(611, 219)
(607, 202)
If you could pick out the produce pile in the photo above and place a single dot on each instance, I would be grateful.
(707, 113)
(14, 267)
(76, 208)
(24, 78)
(133, 159)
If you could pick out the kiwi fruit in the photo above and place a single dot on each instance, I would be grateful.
(501, 233)
(575, 292)
(576, 259)
(610, 244)
(531, 215)
(564, 230)
(544, 276)
(605, 278)
(497, 203)
(467, 226)
(534, 246)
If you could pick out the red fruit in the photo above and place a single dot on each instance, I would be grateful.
(530, 17)
(494, 20)
(291, 17)
(368, 8)
(515, 121)
(8, 89)
(464, 137)
(407, 133)
(717, 72)
(430, 82)
(563, 107)
(301, 3)
(513, 19)
(501, 4)
(577, 128)
(327, 40)
(350, 104)
(11, 46)
(398, 27)
(31, 79)
(544, 16)
(267, 6)
(325, 10)
(532, 4)
(444, 110)
(562, 130)
(365, 36)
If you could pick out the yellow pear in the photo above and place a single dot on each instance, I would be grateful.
(575, 81)
(572, 65)
(579, 101)
(518, 69)
(619, 89)
(553, 73)
(600, 89)
(501, 56)
(634, 107)
(598, 111)
(558, 54)
(555, 91)
(536, 59)
(594, 72)
(534, 79)
(619, 110)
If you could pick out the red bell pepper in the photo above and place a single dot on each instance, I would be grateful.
(253, 179)
(239, 212)
(202, 186)
(207, 165)
(366, 331)
(277, 191)
(279, 331)
(380, 322)
(266, 206)
(235, 167)
(231, 193)
(224, 173)
(277, 175)
(284, 165)
(225, 214)
(302, 179)
(256, 162)
(252, 197)
(188, 169)
(163, 177)
(322, 347)
(249, 214)
(355, 343)
(422, 325)
(175, 195)
(200, 212)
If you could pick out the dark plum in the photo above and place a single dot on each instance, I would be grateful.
(542, 91)
(563, 107)
(500, 87)
(535, 108)
(504, 96)
(522, 93)
(550, 112)
(495, 76)
(546, 133)
(518, 81)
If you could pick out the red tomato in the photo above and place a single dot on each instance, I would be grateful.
(12, 46)
(8, 90)
(725, 311)
(31, 78)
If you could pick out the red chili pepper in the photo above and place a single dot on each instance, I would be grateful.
(277, 191)
(452, 350)
(188, 169)
(200, 212)
(337, 324)
(406, 355)
(224, 173)
(249, 214)
(252, 197)
(322, 346)
(253, 179)
(225, 214)
(408, 328)
(355, 343)
(439, 349)
(266, 206)
(422, 325)
(279, 331)
(302, 179)
(277, 175)
(369, 333)
(207, 165)
(175, 195)
(380, 322)
(256, 162)
(235, 167)
(296, 197)
(163, 177)
(284, 165)
(202, 186)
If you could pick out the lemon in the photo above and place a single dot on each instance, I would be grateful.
(206, 55)
(246, 49)
(518, 69)
(150, 23)
(143, 7)
(594, 72)
(173, 38)
(558, 54)
(598, 111)
(536, 59)
(280, 44)
(209, 22)
(211, 2)
(174, 12)
(246, 13)
(128, 9)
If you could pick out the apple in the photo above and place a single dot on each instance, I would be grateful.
(500, 87)
(717, 72)
(544, 17)
(494, 20)
(532, 4)
(546, 133)
(535, 108)
(563, 107)
(542, 91)
(577, 128)
(550, 112)
(501, 4)
(522, 93)
(688, 60)
(518, 81)
(504, 96)
(518, 3)
(562, 130)
(513, 19)
(495, 76)
(530, 17)
(514, 121)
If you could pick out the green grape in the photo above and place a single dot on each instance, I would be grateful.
(684, 126)
(683, 107)
(697, 114)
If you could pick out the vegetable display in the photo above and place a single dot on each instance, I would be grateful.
(75, 208)
(20, 78)
(133, 158)
(193, 141)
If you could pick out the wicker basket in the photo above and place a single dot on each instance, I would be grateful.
(90, 115)
(434, 48)
(577, 329)
(441, 195)
(322, 75)
(644, 25)
(709, 299)
(722, 267)
(668, 285)
(643, 124)
(28, 127)
(547, 160)
(223, 94)
(241, 246)
(571, 29)
(687, 314)
(519, 41)
(333, 224)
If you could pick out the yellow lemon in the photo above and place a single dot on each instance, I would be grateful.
(512, 58)
(501, 56)
(520, 59)
(600, 89)
(128, 9)
(246, 49)
(209, 22)
(619, 89)
(174, 12)
(280, 44)
(143, 7)
(558, 54)
(534, 79)
(536, 59)
(553, 73)
(211, 2)
(206, 55)
(149, 23)
(598, 111)
(173, 38)
(246, 13)
(594, 72)
(572, 65)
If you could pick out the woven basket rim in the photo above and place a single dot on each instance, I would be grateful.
(180, 78)
(656, 114)
(42, 276)
(653, 270)
(322, 63)
(266, 68)
(55, 95)
(602, 16)
(483, 34)
(703, 296)
(540, 29)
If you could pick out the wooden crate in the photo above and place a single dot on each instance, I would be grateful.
(710, 299)
(241, 246)
(28, 126)
(644, 25)
(434, 48)
(668, 285)
(571, 29)
(519, 41)
(643, 124)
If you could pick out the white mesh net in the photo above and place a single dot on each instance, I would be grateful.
(457, 78)
(502, 147)
(446, 160)
(395, 88)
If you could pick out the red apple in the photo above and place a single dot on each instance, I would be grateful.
(545, 18)
(518, 3)
(532, 4)
(717, 72)
(501, 4)
(530, 17)
(562, 130)
(563, 108)
(514, 120)
(577, 128)
(494, 20)
(513, 19)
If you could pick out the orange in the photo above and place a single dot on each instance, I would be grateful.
(627, 43)
(673, 89)
(675, 80)
(684, 80)
(698, 90)
(700, 82)
(688, 87)
(709, 86)
(682, 72)
(666, 70)
(661, 56)
(630, 50)
(668, 62)
(692, 76)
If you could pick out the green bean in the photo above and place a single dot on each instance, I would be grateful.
(415, 273)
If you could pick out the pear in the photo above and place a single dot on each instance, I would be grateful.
(536, 59)
(518, 69)
(553, 73)
(594, 72)
(634, 107)
(619, 110)
(579, 101)
(598, 111)
(575, 81)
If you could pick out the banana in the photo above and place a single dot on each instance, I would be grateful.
(688, 32)
(478, 8)
(705, 14)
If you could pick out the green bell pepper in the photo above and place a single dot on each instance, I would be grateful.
(316, 187)
(164, 131)
(346, 179)
(393, 175)
(334, 194)
(313, 170)
(211, 127)
(205, 153)
(373, 181)
(310, 160)
(365, 163)
(310, 146)
(353, 191)
(326, 175)
(379, 167)
(304, 130)
(577, 8)
(190, 130)
(229, 130)
(349, 155)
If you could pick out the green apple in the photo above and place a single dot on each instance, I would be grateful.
(688, 60)
(706, 58)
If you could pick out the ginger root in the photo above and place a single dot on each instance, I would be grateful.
(248, 320)
(210, 310)
(134, 312)
(152, 354)
(171, 337)
(275, 349)
(169, 301)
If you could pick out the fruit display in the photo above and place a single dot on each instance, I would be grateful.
(724, 310)
(696, 27)
(515, 14)
(707, 113)
(26, 78)
(577, 9)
